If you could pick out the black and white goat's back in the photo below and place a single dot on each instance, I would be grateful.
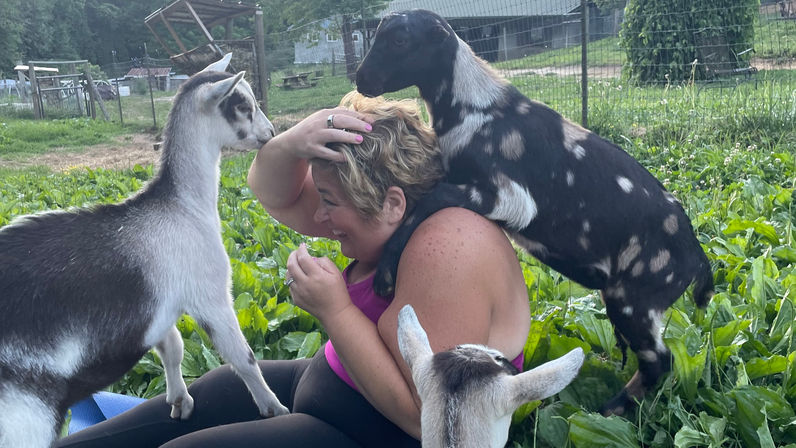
(86, 292)
(574, 200)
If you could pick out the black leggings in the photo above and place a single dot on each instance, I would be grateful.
(325, 412)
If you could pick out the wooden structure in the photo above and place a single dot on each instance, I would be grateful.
(717, 58)
(54, 86)
(247, 54)
(298, 81)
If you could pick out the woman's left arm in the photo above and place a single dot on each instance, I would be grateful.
(319, 289)
(454, 268)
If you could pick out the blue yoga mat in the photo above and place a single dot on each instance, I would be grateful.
(100, 407)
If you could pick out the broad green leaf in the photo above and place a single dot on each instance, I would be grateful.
(715, 427)
(785, 253)
(688, 368)
(292, 342)
(595, 431)
(726, 335)
(524, 411)
(310, 345)
(598, 332)
(758, 367)
(755, 407)
(765, 230)
(552, 427)
(784, 320)
(688, 437)
(561, 345)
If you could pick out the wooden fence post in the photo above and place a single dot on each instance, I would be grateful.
(34, 92)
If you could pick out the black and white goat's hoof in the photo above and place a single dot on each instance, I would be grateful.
(181, 407)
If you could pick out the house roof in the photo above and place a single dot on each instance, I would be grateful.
(461, 9)
(210, 12)
(141, 72)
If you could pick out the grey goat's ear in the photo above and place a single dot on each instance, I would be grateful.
(543, 381)
(221, 89)
(220, 65)
(412, 339)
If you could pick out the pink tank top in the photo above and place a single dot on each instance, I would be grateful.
(372, 305)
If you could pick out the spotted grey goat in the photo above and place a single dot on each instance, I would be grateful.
(86, 292)
(575, 201)
(469, 393)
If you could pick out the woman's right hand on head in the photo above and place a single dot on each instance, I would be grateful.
(308, 138)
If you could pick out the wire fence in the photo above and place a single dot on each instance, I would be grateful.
(537, 44)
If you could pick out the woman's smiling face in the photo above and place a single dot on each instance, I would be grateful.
(360, 238)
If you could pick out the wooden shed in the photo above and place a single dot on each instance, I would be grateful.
(247, 54)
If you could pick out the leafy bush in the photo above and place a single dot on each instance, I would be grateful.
(659, 36)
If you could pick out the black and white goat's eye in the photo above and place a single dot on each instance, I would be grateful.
(244, 108)
(399, 41)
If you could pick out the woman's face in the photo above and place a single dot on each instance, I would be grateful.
(361, 239)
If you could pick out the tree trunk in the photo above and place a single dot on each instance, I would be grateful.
(348, 49)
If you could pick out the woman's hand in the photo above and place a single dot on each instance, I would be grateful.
(318, 286)
(309, 137)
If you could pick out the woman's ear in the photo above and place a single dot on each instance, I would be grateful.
(394, 206)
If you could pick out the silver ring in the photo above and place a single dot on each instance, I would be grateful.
(330, 121)
(289, 281)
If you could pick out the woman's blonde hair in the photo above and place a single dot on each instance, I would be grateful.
(401, 151)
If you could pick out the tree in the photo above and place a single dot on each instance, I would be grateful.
(10, 37)
(659, 36)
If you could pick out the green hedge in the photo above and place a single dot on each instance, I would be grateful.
(659, 36)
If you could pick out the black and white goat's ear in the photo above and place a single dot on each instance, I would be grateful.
(220, 65)
(438, 32)
(412, 339)
(543, 381)
(221, 89)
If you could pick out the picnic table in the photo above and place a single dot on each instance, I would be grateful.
(297, 81)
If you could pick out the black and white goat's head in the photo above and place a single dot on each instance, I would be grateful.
(213, 93)
(406, 52)
(469, 393)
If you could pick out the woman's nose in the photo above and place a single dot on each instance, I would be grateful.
(320, 214)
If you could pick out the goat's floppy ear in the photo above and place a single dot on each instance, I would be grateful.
(220, 89)
(412, 339)
(545, 380)
(220, 65)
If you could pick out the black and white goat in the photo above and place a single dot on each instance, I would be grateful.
(575, 201)
(469, 393)
(85, 293)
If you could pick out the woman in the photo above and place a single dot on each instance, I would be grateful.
(350, 174)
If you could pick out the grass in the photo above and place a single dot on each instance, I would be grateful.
(775, 39)
(600, 52)
(20, 137)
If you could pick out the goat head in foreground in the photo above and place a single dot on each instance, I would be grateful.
(85, 293)
(469, 393)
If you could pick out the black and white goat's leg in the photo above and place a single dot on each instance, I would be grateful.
(170, 350)
(443, 195)
(28, 420)
(223, 329)
(640, 327)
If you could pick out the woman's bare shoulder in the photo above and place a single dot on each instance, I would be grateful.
(457, 223)
(458, 235)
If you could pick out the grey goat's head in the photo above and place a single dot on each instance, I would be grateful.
(469, 393)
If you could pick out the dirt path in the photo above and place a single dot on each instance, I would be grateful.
(123, 152)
